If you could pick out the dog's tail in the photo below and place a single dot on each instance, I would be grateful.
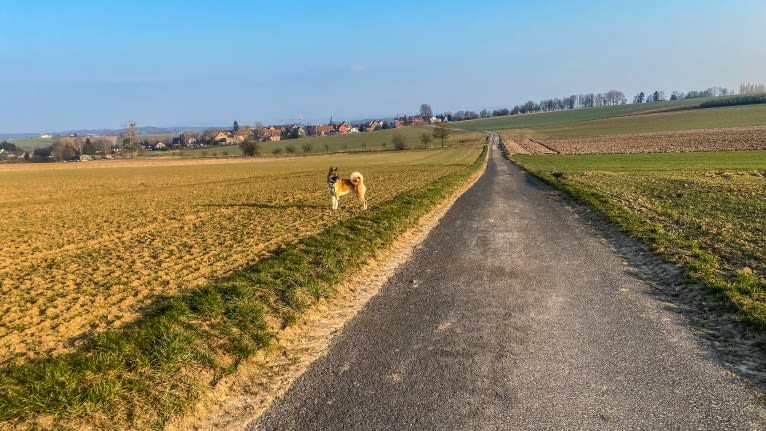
(356, 178)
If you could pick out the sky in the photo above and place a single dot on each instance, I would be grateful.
(67, 65)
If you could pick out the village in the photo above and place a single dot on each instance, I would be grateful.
(278, 132)
(74, 147)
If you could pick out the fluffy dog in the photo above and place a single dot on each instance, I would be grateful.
(341, 186)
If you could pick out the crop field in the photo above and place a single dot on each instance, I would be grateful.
(704, 210)
(735, 138)
(90, 246)
(708, 118)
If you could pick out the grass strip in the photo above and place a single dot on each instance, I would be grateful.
(742, 295)
(144, 375)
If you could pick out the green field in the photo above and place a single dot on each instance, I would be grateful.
(543, 119)
(30, 144)
(709, 118)
(379, 140)
(704, 211)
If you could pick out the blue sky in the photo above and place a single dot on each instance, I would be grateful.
(82, 64)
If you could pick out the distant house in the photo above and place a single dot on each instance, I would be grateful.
(374, 125)
(343, 127)
(274, 134)
(325, 130)
(414, 120)
(223, 137)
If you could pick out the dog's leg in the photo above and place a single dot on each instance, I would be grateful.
(335, 202)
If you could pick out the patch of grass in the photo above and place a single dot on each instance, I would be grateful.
(701, 210)
(145, 374)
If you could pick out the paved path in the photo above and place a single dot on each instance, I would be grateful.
(515, 314)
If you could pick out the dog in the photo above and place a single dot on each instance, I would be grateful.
(341, 186)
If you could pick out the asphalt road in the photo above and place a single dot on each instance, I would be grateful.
(516, 314)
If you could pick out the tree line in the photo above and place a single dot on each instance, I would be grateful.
(595, 100)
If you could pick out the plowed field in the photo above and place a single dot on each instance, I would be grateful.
(736, 138)
(86, 247)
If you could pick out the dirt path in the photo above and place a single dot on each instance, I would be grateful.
(516, 313)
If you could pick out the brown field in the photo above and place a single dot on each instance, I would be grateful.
(737, 138)
(88, 246)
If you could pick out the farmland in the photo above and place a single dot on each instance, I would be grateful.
(350, 142)
(735, 138)
(710, 129)
(559, 118)
(90, 246)
(708, 118)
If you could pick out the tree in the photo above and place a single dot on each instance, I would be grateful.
(260, 130)
(7, 146)
(42, 154)
(441, 131)
(425, 138)
(294, 133)
(250, 147)
(235, 129)
(89, 148)
(751, 88)
(64, 149)
(425, 110)
(399, 141)
(484, 113)
(385, 125)
(639, 98)
(130, 138)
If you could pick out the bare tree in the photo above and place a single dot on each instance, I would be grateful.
(130, 138)
(425, 138)
(399, 141)
(425, 110)
(441, 131)
(750, 88)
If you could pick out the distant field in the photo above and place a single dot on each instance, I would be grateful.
(543, 119)
(30, 144)
(710, 129)
(709, 118)
(92, 244)
(705, 210)
(368, 141)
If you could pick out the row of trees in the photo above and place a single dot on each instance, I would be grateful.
(594, 100)
(659, 96)
(589, 100)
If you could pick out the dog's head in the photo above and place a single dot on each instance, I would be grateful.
(332, 176)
